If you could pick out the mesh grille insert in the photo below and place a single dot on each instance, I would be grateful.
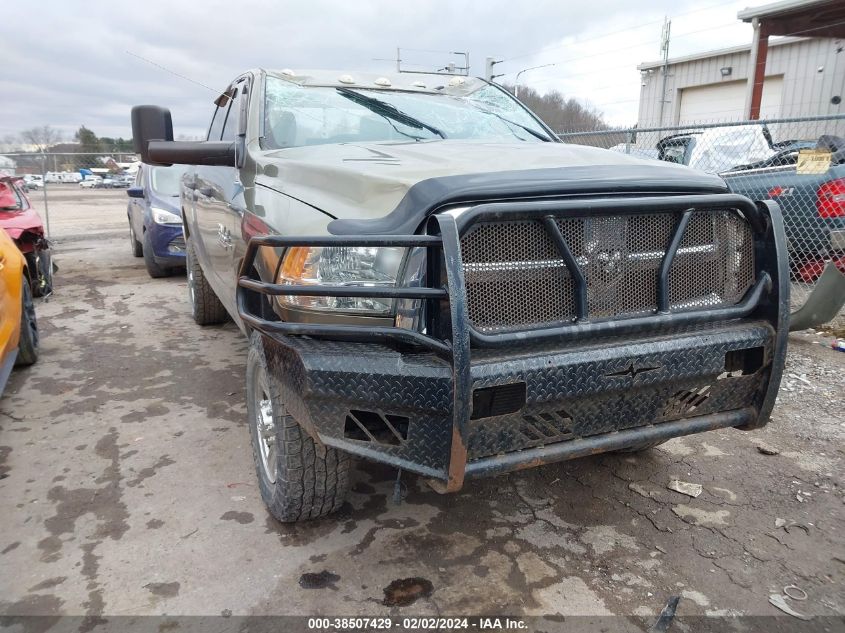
(516, 278)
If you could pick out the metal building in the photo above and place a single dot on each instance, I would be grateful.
(798, 75)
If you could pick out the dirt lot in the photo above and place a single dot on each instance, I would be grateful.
(127, 486)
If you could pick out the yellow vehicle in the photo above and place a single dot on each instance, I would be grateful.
(18, 328)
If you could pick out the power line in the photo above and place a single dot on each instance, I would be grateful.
(624, 48)
(674, 37)
(625, 30)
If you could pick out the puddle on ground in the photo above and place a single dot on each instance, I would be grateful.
(318, 581)
(406, 591)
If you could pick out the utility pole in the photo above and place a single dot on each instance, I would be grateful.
(664, 50)
(488, 68)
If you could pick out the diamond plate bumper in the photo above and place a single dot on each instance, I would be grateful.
(406, 397)
(578, 399)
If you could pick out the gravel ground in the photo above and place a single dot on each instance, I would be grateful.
(127, 486)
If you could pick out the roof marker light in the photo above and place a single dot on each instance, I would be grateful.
(288, 72)
(382, 81)
(346, 79)
(456, 81)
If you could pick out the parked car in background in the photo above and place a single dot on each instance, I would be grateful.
(91, 182)
(24, 225)
(18, 325)
(33, 182)
(155, 219)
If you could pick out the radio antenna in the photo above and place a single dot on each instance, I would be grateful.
(172, 72)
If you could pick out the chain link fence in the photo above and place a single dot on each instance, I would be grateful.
(51, 176)
(799, 162)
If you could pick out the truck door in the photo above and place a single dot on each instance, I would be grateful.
(215, 188)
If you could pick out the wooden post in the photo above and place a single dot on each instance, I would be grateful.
(759, 52)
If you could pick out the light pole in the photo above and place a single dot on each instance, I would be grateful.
(525, 70)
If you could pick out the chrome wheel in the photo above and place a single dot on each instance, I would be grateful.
(265, 428)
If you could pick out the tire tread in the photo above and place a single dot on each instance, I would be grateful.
(207, 308)
(311, 481)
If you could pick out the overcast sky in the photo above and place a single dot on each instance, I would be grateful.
(67, 64)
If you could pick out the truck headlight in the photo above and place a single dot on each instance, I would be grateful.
(160, 216)
(341, 266)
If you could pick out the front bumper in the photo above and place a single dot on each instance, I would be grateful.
(168, 244)
(539, 405)
(468, 404)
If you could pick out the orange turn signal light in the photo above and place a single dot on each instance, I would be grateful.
(294, 263)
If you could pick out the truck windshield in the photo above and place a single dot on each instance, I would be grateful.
(296, 116)
(165, 180)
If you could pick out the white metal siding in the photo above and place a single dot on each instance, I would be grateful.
(806, 90)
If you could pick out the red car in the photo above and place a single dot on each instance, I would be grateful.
(25, 227)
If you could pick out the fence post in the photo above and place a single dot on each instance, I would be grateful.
(44, 181)
(629, 138)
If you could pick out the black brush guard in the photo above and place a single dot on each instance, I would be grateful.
(327, 368)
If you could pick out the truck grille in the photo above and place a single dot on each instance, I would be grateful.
(517, 279)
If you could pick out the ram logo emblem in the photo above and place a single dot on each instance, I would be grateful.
(632, 371)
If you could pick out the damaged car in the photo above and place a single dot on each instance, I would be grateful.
(25, 227)
(430, 279)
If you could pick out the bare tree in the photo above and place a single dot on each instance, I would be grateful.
(560, 113)
(10, 142)
(42, 137)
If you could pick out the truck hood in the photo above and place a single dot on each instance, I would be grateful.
(366, 181)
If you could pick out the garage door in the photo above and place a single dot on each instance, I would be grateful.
(726, 101)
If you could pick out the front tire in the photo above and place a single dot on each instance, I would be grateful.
(137, 249)
(298, 480)
(206, 308)
(155, 271)
(28, 342)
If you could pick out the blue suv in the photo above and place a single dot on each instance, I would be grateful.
(155, 219)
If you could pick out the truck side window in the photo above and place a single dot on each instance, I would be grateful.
(230, 129)
(217, 122)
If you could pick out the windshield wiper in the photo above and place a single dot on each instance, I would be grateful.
(535, 133)
(388, 110)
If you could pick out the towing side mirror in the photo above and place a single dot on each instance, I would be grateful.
(150, 123)
(152, 136)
